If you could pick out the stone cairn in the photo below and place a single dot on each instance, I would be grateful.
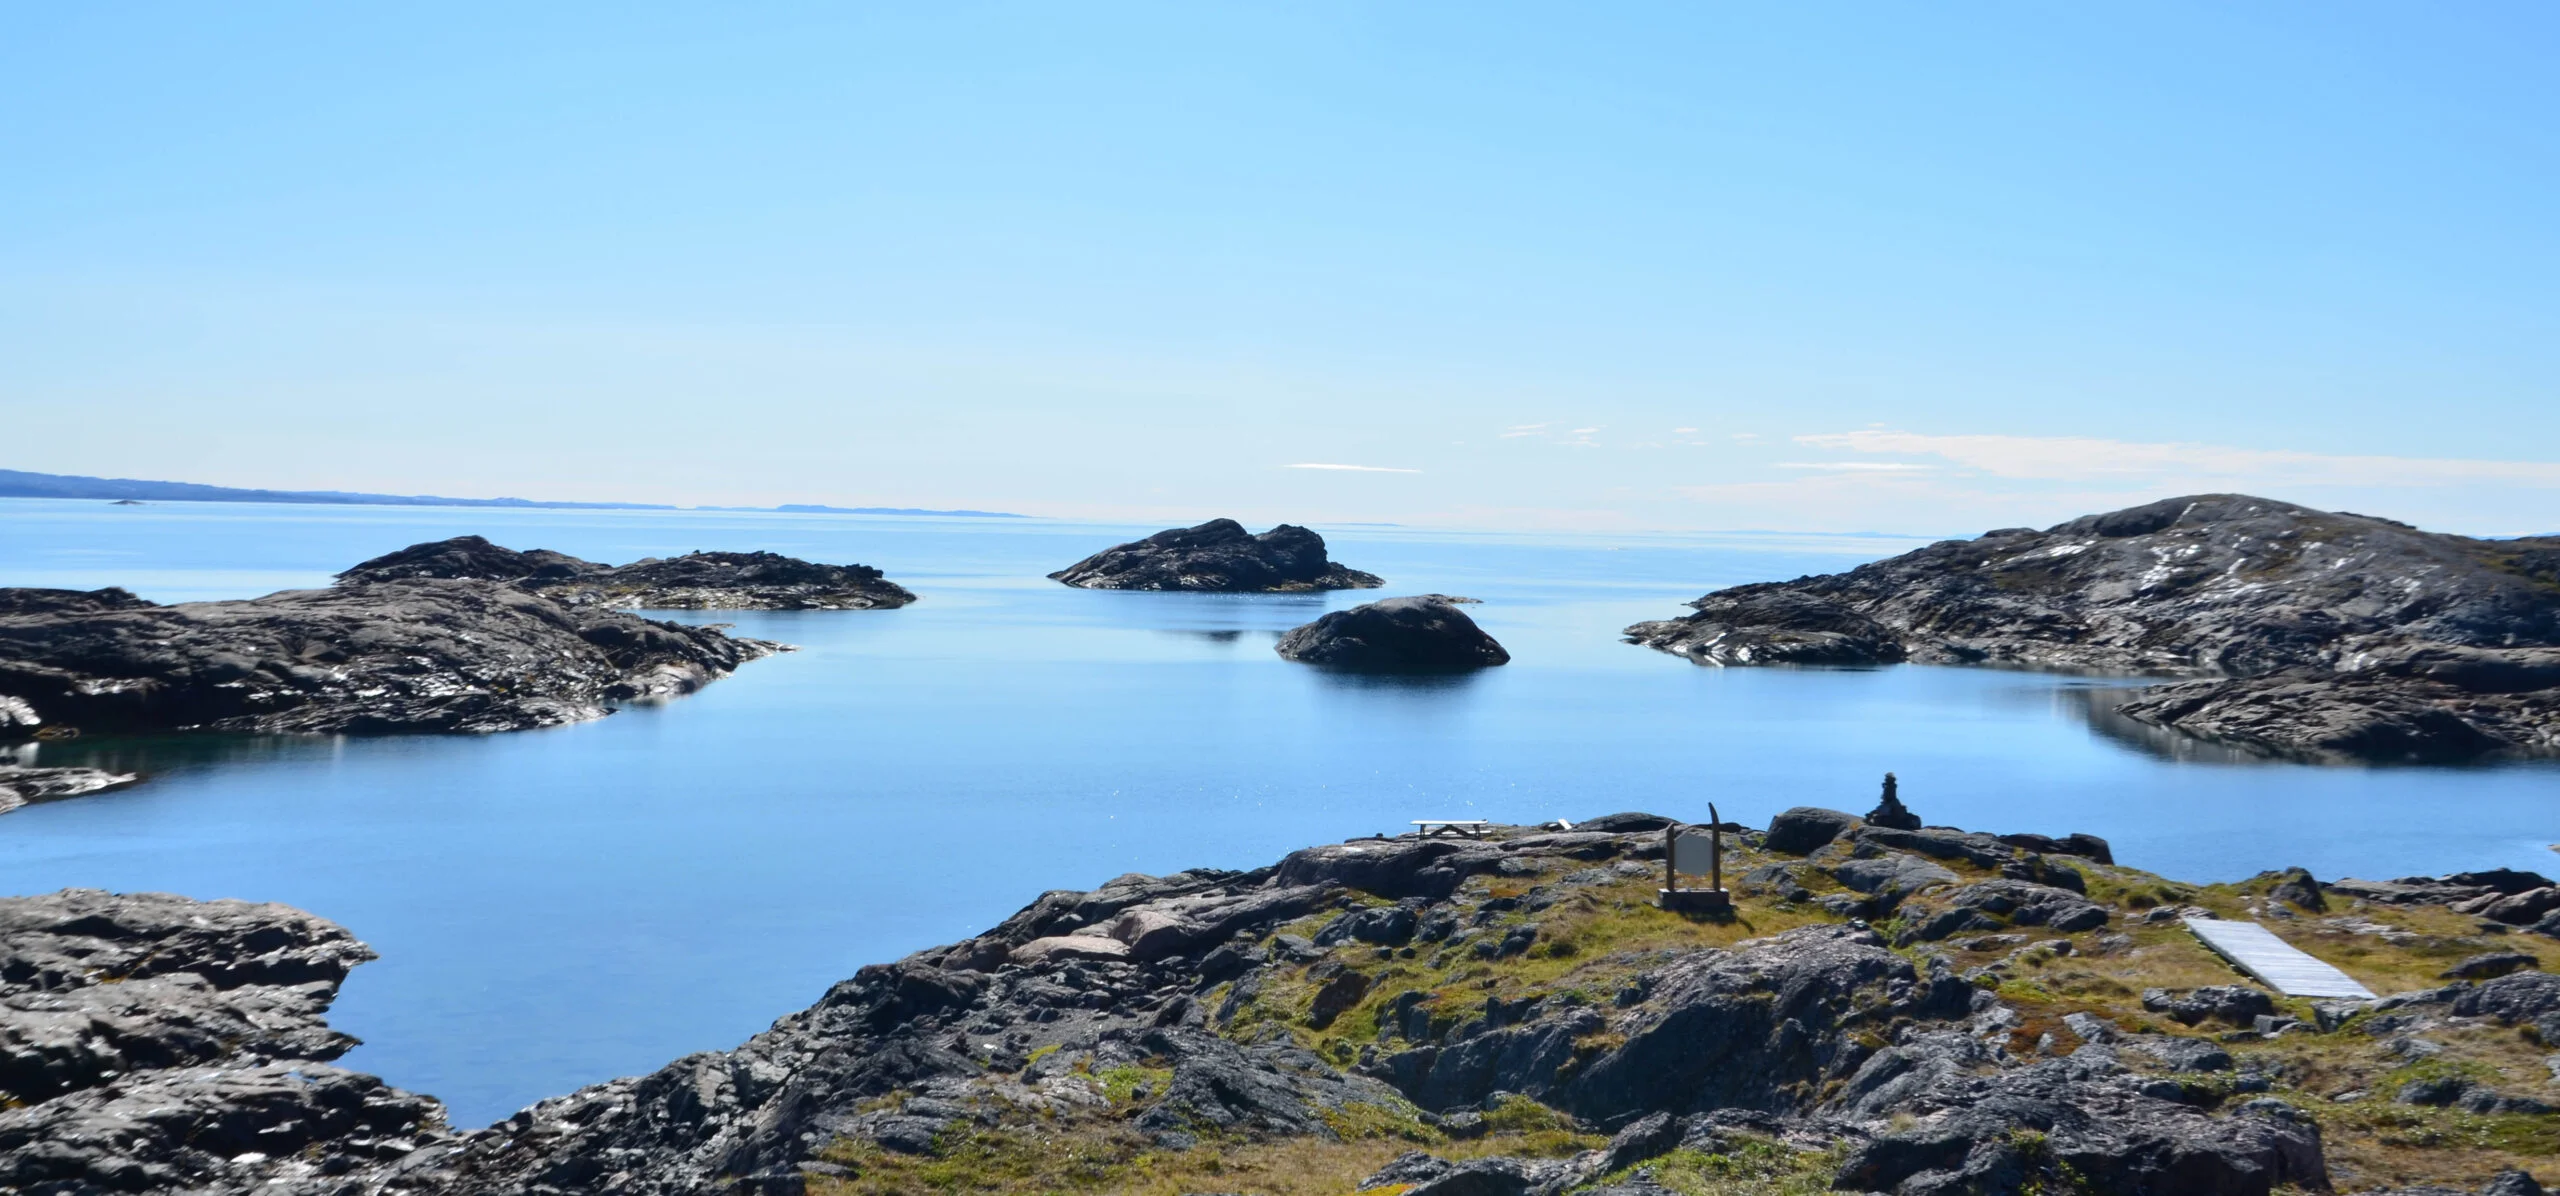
(1891, 812)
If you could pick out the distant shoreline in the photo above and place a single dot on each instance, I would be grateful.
(23, 484)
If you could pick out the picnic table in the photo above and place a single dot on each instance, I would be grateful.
(1472, 828)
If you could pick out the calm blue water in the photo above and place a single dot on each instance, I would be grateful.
(557, 907)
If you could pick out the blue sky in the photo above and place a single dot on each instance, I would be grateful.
(1815, 267)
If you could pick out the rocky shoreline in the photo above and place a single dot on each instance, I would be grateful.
(2312, 635)
(1888, 1009)
(433, 655)
(1219, 556)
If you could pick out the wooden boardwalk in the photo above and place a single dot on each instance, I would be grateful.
(2273, 962)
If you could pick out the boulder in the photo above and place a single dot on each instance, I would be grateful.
(1737, 1029)
(2295, 887)
(2491, 965)
(1395, 635)
(1993, 904)
(2232, 1003)
(1624, 824)
(2074, 1125)
(1805, 829)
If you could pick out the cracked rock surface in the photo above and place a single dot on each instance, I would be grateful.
(150, 1043)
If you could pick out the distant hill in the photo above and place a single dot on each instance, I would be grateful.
(810, 509)
(16, 483)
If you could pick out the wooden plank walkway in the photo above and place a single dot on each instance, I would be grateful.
(2274, 962)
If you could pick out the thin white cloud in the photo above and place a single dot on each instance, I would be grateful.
(2089, 459)
(1351, 468)
(1859, 466)
(1684, 431)
(1516, 430)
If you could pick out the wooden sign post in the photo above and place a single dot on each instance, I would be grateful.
(1687, 851)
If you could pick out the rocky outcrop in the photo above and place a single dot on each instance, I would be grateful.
(149, 1043)
(1218, 556)
(1419, 988)
(694, 581)
(1402, 635)
(2499, 896)
(2312, 634)
(424, 654)
(21, 784)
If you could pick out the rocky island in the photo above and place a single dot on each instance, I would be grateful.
(694, 581)
(1219, 556)
(1885, 1010)
(2308, 634)
(423, 654)
(1426, 634)
(453, 635)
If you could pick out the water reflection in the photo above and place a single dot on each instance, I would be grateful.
(158, 755)
(1358, 681)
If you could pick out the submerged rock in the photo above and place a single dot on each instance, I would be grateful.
(694, 581)
(2317, 635)
(1218, 556)
(1395, 635)
(21, 784)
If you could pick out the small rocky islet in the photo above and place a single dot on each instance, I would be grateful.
(1887, 1010)
(1422, 634)
(2315, 635)
(1221, 557)
(694, 581)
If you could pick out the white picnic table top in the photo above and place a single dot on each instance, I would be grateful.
(1456, 826)
(2274, 962)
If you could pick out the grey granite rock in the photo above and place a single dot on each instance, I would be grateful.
(149, 1043)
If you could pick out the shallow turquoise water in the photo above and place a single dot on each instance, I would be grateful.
(558, 907)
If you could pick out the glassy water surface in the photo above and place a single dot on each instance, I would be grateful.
(558, 907)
